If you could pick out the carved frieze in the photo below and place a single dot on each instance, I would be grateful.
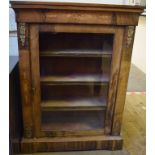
(23, 35)
(130, 36)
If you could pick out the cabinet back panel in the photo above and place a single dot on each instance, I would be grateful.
(75, 41)
(72, 121)
(70, 91)
(71, 66)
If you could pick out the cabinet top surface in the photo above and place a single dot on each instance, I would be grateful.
(111, 5)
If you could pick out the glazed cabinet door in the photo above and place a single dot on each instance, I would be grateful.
(74, 75)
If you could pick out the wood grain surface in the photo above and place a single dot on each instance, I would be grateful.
(60, 78)
(25, 80)
(122, 83)
(35, 78)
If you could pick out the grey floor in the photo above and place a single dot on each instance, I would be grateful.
(137, 80)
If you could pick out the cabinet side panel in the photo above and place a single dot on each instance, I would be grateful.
(123, 78)
(115, 66)
(34, 50)
(25, 78)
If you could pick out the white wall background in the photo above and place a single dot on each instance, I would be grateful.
(139, 48)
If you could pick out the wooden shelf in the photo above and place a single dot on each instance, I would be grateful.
(76, 79)
(72, 121)
(76, 104)
(77, 53)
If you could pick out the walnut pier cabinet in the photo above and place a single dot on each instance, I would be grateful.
(74, 61)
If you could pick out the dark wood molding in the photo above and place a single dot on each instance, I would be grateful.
(77, 6)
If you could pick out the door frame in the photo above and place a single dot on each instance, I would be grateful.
(35, 29)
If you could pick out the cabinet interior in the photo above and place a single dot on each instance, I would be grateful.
(74, 80)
